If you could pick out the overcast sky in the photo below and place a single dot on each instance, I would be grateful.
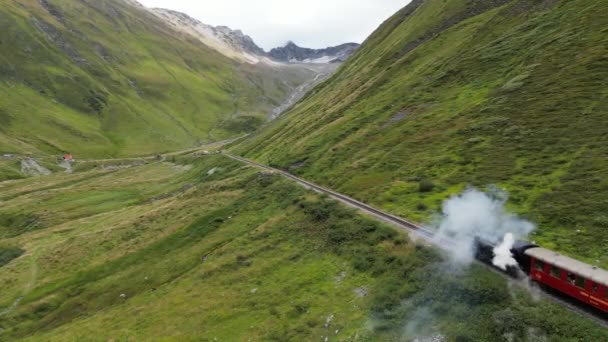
(309, 23)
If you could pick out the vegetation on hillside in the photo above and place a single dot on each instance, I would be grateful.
(208, 248)
(10, 169)
(450, 94)
(7, 254)
(444, 95)
(106, 78)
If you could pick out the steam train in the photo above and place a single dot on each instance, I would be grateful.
(584, 283)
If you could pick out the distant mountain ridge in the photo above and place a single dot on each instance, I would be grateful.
(237, 45)
(292, 53)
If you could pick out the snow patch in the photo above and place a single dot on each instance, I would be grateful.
(320, 60)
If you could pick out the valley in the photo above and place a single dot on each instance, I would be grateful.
(124, 80)
(162, 178)
(453, 98)
(133, 248)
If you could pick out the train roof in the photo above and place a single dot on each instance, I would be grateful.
(594, 273)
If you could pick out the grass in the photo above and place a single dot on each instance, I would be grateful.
(7, 254)
(170, 251)
(10, 169)
(459, 93)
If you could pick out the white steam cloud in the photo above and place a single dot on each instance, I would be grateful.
(477, 214)
(502, 253)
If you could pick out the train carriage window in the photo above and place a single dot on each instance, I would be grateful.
(596, 288)
(539, 265)
(580, 282)
(556, 271)
(571, 278)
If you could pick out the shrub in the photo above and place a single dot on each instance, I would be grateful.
(243, 261)
(7, 254)
(319, 211)
(242, 124)
(426, 185)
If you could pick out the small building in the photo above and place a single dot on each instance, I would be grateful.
(68, 157)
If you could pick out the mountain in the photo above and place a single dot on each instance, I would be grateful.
(196, 246)
(235, 44)
(232, 43)
(292, 53)
(109, 78)
(451, 94)
(304, 68)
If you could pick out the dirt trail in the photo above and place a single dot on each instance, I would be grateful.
(170, 154)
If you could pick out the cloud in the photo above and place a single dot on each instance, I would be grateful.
(311, 23)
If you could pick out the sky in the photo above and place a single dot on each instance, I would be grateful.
(308, 23)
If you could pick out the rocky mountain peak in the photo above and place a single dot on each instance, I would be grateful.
(232, 43)
(292, 53)
(236, 44)
(239, 40)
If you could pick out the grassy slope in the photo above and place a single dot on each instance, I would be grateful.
(10, 169)
(102, 78)
(510, 93)
(235, 255)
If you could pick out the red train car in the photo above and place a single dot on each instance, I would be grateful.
(587, 283)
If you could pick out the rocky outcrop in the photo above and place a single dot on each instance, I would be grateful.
(238, 39)
(30, 167)
(232, 43)
(55, 36)
(52, 11)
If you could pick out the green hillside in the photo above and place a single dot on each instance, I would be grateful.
(447, 94)
(192, 246)
(204, 249)
(106, 78)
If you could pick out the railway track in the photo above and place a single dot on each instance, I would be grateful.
(418, 231)
(408, 226)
